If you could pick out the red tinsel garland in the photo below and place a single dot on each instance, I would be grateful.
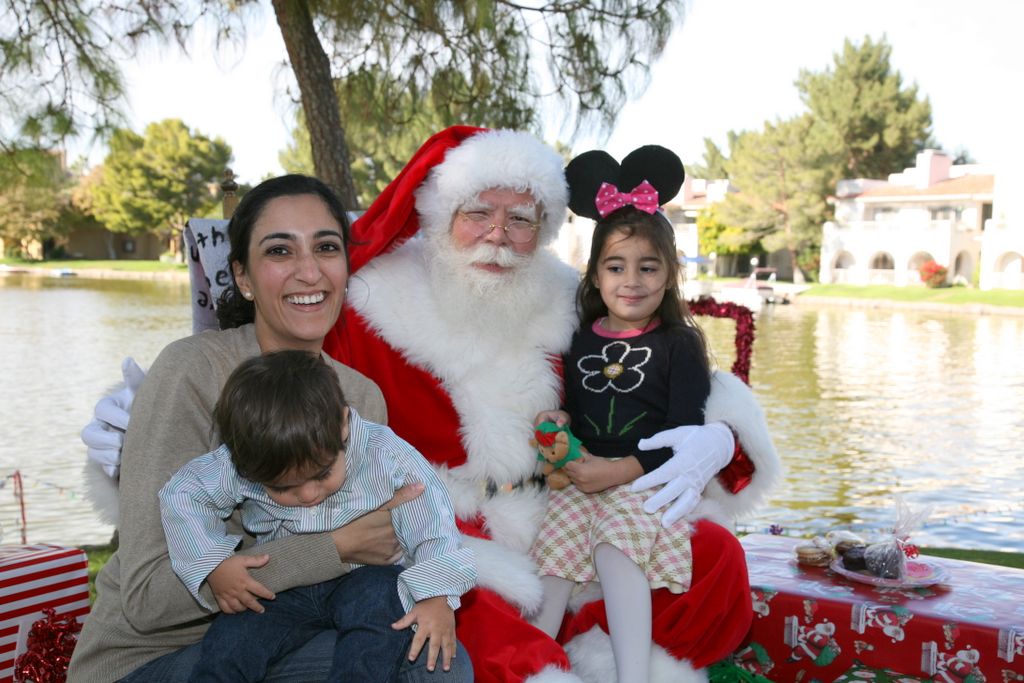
(50, 643)
(744, 318)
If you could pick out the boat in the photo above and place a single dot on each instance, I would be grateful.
(755, 291)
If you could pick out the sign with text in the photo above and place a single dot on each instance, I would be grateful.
(207, 242)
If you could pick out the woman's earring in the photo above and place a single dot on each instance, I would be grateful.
(247, 296)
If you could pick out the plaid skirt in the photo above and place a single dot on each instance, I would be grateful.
(577, 522)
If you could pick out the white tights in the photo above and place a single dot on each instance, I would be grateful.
(627, 601)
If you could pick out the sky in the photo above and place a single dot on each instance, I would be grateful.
(730, 66)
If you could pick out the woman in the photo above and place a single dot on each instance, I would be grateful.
(289, 239)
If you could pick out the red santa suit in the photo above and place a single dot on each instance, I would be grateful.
(463, 380)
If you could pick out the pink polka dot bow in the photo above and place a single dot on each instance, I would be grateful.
(644, 197)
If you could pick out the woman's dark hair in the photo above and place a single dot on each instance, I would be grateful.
(232, 309)
(655, 228)
(279, 412)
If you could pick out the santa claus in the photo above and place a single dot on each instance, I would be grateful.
(463, 329)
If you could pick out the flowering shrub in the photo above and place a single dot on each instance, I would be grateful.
(932, 274)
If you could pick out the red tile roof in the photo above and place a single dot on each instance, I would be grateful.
(965, 185)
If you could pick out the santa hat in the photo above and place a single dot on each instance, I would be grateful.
(451, 168)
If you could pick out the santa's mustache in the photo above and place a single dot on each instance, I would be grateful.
(483, 254)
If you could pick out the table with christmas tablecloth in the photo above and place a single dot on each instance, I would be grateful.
(812, 624)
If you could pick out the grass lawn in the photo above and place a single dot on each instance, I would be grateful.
(128, 265)
(1015, 560)
(98, 556)
(942, 295)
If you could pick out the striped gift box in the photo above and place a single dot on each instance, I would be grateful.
(32, 578)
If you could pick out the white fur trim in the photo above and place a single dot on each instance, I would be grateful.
(592, 658)
(498, 378)
(667, 669)
(509, 573)
(732, 402)
(552, 674)
(590, 592)
(712, 509)
(495, 159)
(514, 519)
(101, 490)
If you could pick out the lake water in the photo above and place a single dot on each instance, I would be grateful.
(864, 405)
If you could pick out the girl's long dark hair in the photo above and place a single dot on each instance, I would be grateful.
(674, 313)
(233, 310)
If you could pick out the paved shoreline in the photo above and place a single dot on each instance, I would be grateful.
(98, 273)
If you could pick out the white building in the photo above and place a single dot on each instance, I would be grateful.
(884, 230)
(1002, 242)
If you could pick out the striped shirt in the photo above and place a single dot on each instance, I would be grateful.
(199, 498)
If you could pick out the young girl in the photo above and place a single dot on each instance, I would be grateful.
(638, 365)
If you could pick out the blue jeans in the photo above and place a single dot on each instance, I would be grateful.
(301, 643)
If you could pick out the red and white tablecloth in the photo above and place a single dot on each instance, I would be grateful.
(811, 624)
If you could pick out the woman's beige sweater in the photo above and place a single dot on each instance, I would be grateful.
(143, 610)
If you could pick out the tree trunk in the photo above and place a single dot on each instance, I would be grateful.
(109, 242)
(798, 274)
(312, 70)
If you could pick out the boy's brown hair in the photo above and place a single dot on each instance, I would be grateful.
(279, 412)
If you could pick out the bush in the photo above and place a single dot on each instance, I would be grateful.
(809, 261)
(932, 274)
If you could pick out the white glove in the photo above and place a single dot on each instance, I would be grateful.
(701, 451)
(104, 435)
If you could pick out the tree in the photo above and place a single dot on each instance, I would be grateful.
(714, 166)
(379, 149)
(783, 183)
(961, 155)
(864, 117)
(861, 122)
(59, 61)
(158, 180)
(715, 236)
(54, 57)
(33, 193)
(467, 55)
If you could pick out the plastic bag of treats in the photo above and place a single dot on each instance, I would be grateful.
(887, 559)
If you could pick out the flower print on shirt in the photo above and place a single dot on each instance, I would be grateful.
(617, 367)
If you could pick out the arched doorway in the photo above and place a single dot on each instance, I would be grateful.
(963, 268)
(1010, 271)
(882, 270)
(841, 265)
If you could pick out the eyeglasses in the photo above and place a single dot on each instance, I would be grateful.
(519, 230)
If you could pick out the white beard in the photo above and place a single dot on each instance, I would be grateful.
(472, 298)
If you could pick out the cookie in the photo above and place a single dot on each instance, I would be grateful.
(813, 555)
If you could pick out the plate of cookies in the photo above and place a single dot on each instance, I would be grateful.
(916, 573)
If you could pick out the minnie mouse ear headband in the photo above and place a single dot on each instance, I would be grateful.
(648, 177)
